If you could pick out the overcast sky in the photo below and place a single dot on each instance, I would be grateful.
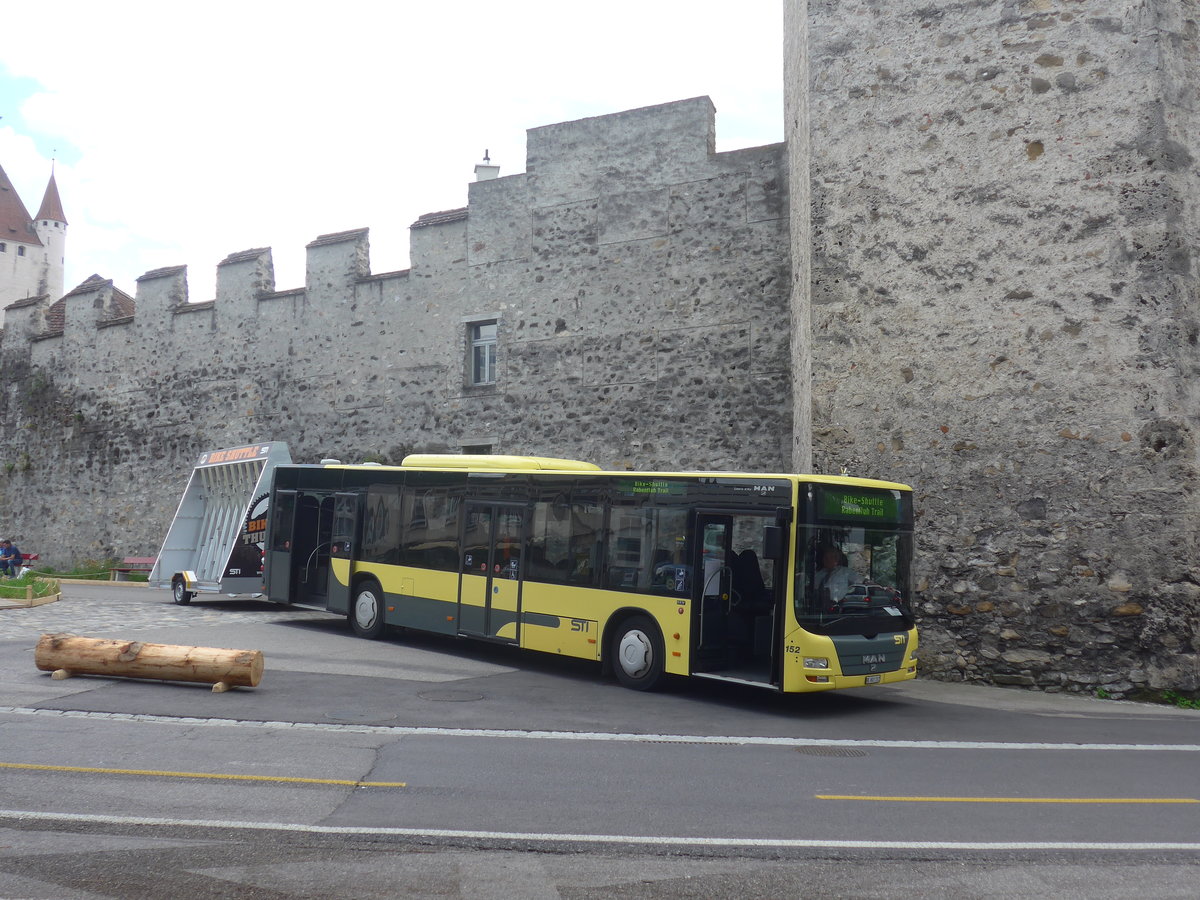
(186, 132)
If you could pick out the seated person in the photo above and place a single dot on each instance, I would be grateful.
(10, 558)
(834, 575)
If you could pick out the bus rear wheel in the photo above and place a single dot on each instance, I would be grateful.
(637, 653)
(366, 610)
(179, 592)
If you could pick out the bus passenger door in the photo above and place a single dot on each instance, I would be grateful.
(739, 595)
(279, 550)
(310, 548)
(343, 548)
(713, 586)
(504, 612)
(490, 590)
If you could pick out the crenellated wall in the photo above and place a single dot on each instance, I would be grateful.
(639, 280)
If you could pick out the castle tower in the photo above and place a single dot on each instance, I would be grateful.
(51, 226)
(21, 250)
(31, 250)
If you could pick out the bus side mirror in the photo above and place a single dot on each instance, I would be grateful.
(773, 546)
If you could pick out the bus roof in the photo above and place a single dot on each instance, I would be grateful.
(506, 463)
(495, 462)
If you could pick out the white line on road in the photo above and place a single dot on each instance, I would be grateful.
(410, 731)
(695, 841)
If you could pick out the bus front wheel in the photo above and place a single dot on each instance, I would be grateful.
(637, 654)
(179, 592)
(366, 610)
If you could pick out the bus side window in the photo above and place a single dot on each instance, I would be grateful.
(430, 517)
(587, 530)
(672, 574)
(381, 525)
(549, 542)
(629, 551)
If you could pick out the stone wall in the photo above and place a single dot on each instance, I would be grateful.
(639, 280)
(970, 269)
(1004, 314)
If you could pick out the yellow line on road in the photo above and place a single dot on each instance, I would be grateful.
(213, 775)
(1009, 799)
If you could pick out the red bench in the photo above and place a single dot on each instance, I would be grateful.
(130, 565)
(26, 559)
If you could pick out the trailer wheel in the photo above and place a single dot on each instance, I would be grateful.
(366, 610)
(179, 592)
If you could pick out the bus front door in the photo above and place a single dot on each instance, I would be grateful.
(490, 590)
(738, 597)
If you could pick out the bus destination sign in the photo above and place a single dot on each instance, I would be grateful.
(873, 506)
(644, 486)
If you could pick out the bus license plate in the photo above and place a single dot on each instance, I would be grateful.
(873, 679)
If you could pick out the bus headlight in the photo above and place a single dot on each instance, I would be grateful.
(816, 662)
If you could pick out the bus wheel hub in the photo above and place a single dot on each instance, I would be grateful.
(634, 653)
(364, 610)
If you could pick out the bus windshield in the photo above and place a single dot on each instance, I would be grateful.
(852, 576)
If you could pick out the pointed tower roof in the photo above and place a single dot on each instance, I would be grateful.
(51, 208)
(15, 224)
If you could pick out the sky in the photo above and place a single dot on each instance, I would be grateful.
(183, 132)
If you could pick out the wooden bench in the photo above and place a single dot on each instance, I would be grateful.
(130, 565)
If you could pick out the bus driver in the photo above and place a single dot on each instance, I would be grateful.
(834, 577)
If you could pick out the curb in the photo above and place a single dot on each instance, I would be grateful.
(6, 603)
(102, 582)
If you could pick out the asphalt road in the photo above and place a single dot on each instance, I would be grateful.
(423, 766)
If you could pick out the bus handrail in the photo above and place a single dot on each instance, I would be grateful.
(308, 563)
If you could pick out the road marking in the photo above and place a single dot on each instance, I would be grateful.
(640, 839)
(1008, 799)
(601, 736)
(218, 776)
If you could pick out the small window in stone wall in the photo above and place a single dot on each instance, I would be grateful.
(20, 251)
(482, 362)
(3, 247)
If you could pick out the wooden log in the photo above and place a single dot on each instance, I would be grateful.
(72, 655)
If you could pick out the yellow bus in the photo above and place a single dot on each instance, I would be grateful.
(787, 582)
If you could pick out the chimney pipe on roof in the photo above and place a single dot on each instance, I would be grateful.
(485, 171)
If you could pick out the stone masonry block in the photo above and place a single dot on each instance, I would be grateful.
(633, 216)
(500, 224)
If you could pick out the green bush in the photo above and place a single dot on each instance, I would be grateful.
(1181, 701)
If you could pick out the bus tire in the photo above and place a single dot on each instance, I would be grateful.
(366, 610)
(637, 653)
(179, 592)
